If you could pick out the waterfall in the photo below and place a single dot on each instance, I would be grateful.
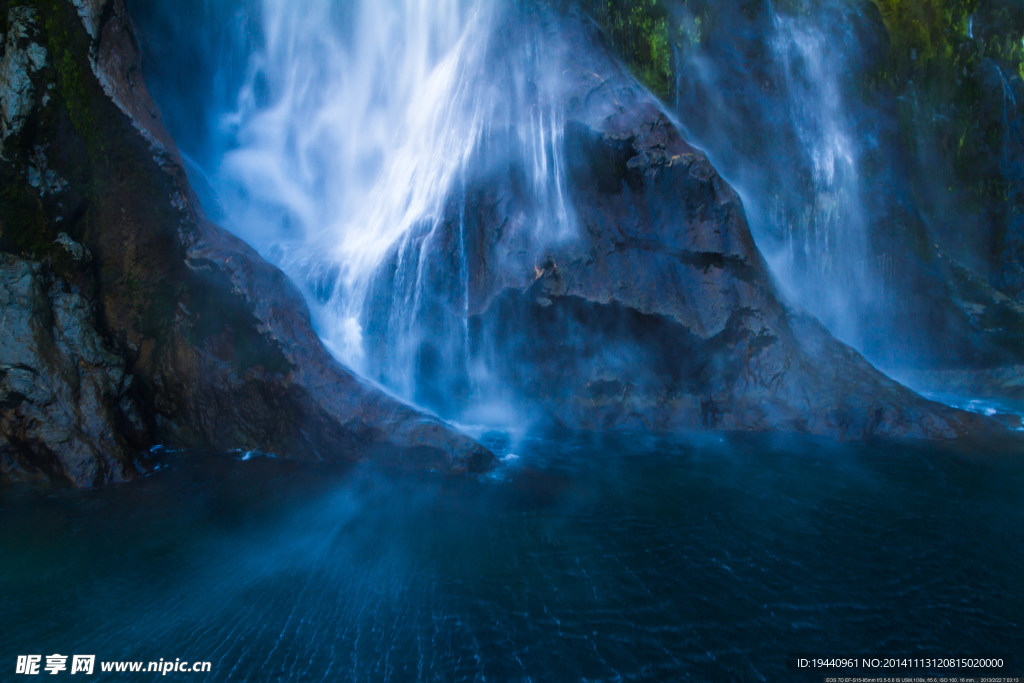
(349, 130)
(822, 254)
(356, 130)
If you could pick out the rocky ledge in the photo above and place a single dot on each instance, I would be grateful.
(128, 319)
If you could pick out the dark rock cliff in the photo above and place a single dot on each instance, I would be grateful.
(128, 319)
(658, 312)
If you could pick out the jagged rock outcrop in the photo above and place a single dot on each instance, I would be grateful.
(658, 312)
(128, 319)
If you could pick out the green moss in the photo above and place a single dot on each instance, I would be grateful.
(76, 85)
(640, 31)
(937, 43)
(940, 67)
(932, 39)
(925, 32)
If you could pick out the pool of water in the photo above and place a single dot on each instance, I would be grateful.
(717, 558)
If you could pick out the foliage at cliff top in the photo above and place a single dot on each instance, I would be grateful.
(641, 32)
(946, 53)
(944, 34)
(929, 38)
(943, 55)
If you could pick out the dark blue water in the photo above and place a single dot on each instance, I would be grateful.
(630, 559)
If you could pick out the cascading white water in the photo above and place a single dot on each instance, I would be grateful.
(349, 131)
(823, 256)
(356, 127)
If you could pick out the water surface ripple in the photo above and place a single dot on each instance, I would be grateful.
(627, 559)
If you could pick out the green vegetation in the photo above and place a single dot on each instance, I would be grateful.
(929, 38)
(950, 70)
(951, 63)
(640, 32)
(942, 37)
(925, 34)
(66, 48)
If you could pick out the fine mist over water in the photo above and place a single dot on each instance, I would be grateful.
(605, 560)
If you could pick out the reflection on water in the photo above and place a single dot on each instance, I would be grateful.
(709, 560)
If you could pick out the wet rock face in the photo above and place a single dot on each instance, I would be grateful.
(658, 312)
(68, 408)
(130, 320)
